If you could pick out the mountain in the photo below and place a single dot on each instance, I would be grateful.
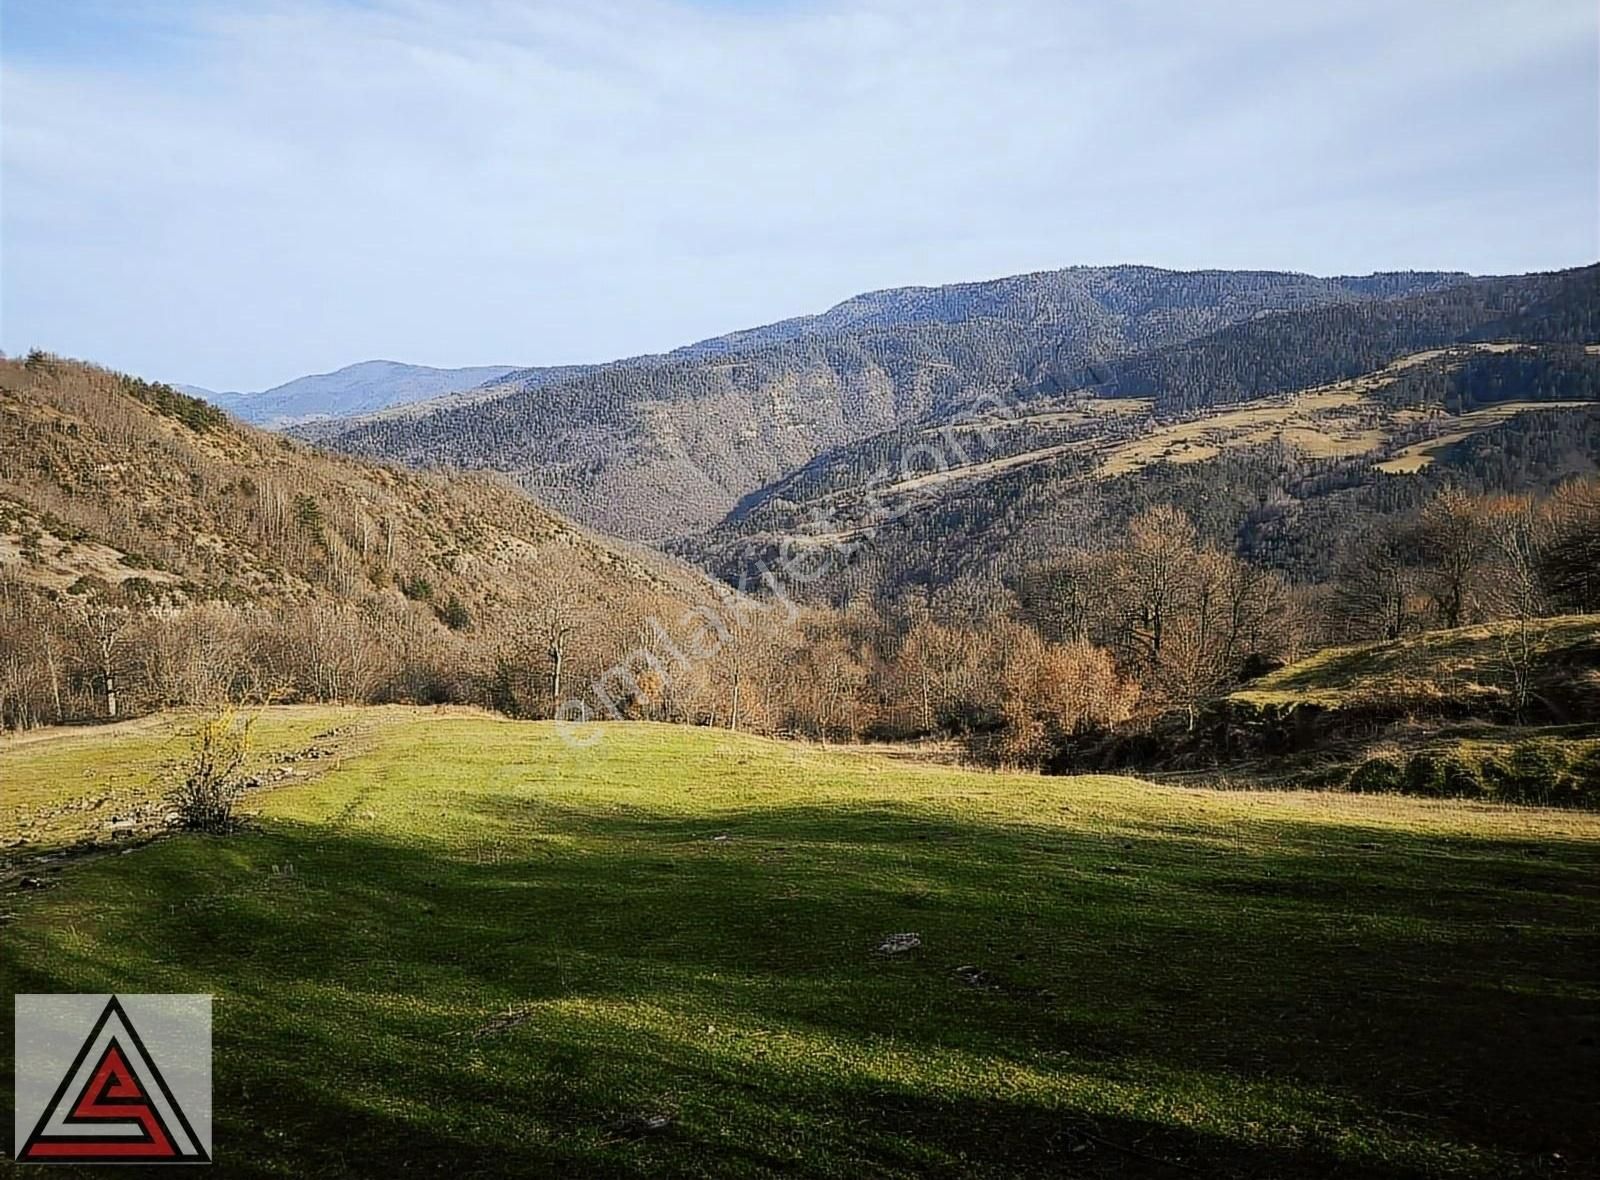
(279, 560)
(354, 389)
(656, 447)
(1150, 302)
(1269, 433)
(319, 429)
(1293, 349)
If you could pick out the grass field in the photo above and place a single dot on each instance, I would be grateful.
(461, 948)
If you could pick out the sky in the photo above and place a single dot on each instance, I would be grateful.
(232, 193)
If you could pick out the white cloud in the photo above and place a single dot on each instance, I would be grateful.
(293, 184)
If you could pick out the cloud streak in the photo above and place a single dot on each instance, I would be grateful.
(254, 190)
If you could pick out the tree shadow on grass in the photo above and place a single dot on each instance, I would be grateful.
(871, 1132)
(1440, 994)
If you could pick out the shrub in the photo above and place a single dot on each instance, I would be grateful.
(204, 800)
(1534, 772)
(89, 585)
(1585, 775)
(138, 589)
(1461, 778)
(1425, 775)
(455, 615)
(1380, 775)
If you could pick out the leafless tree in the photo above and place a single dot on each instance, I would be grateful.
(557, 624)
(103, 624)
(1454, 545)
(1160, 556)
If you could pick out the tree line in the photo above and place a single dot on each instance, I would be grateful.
(249, 568)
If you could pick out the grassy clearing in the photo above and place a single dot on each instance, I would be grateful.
(1417, 456)
(62, 786)
(1328, 421)
(1463, 665)
(468, 949)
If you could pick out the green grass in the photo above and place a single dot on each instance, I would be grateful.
(469, 950)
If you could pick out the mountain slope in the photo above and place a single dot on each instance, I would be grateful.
(1294, 349)
(117, 491)
(1282, 479)
(354, 389)
(660, 446)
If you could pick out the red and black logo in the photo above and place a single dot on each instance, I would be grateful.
(113, 1106)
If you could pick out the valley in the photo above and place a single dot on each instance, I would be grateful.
(651, 448)
(1194, 776)
(1000, 591)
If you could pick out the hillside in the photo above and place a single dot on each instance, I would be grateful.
(1498, 391)
(1494, 711)
(1281, 478)
(1293, 349)
(1461, 670)
(654, 447)
(455, 944)
(355, 389)
(362, 578)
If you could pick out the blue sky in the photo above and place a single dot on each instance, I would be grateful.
(235, 192)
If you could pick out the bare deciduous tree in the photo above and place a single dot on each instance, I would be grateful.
(1454, 545)
(103, 624)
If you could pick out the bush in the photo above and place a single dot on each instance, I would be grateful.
(138, 589)
(204, 800)
(1585, 776)
(1378, 776)
(1424, 776)
(1461, 779)
(455, 615)
(89, 586)
(1534, 772)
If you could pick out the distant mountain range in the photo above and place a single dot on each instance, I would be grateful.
(355, 389)
(1305, 425)
(655, 447)
(1305, 406)
(926, 440)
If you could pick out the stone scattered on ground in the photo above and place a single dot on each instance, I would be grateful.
(640, 1124)
(899, 944)
(503, 1022)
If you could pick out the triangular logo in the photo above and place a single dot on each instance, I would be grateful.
(113, 1106)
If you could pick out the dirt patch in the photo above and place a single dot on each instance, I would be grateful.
(120, 824)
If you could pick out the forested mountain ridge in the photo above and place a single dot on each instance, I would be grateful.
(1283, 481)
(654, 447)
(950, 486)
(1145, 301)
(1289, 350)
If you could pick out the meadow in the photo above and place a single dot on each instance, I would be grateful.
(453, 944)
